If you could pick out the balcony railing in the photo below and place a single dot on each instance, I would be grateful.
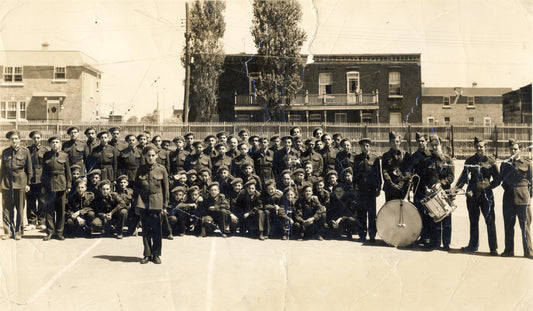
(359, 99)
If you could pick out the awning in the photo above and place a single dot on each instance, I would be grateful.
(49, 94)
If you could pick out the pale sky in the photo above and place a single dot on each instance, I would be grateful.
(139, 42)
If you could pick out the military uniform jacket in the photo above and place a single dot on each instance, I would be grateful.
(344, 160)
(433, 170)
(163, 158)
(91, 145)
(264, 163)
(338, 208)
(367, 172)
(220, 161)
(128, 162)
(56, 171)
(516, 179)
(394, 165)
(246, 203)
(126, 195)
(329, 156)
(238, 162)
(481, 174)
(83, 203)
(197, 162)
(177, 161)
(105, 159)
(77, 152)
(316, 159)
(304, 209)
(219, 203)
(270, 201)
(37, 154)
(16, 168)
(151, 187)
(285, 159)
(109, 204)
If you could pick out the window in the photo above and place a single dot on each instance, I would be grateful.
(486, 121)
(12, 110)
(352, 78)
(395, 84)
(447, 120)
(446, 102)
(470, 102)
(431, 120)
(340, 118)
(294, 117)
(325, 80)
(60, 73)
(315, 117)
(22, 110)
(253, 77)
(471, 120)
(395, 117)
(12, 74)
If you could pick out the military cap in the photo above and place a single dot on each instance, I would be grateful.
(332, 172)
(178, 138)
(365, 140)
(269, 182)
(236, 181)
(299, 171)
(78, 181)
(344, 140)
(513, 142)
(196, 143)
(274, 137)
(148, 148)
(188, 134)
(347, 170)
(287, 171)
(434, 137)
(33, 133)
(393, 135)
(286, 137)
(114, 129)
(192, 172)
(70, 129)
(306, 185)
(242, 143)
(316, 129)
(221, 144)
(94, 172)
(310, 140)
(141, 136)
(337, 135)
(165, 141)
(121, 177)
(244, 130)
(53, 137)
(11, 133)
(419, 135)
(250, 182)
(156, 136)
(75, 167)
(182, 172)
(478, 140)
(319, 179)
(128, 137)
(178, 189)
(204, 170)
(101, 133)
(215, 183)
(246, 164)
(251, 138)
(222, 168)
(287, 189)
(103, 183)
(90, 128)
(208, 137)
(220, 134)
(193, 188)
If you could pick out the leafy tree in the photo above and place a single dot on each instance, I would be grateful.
(206, 47)
(149, 118)
(132, 120)
(279, 38)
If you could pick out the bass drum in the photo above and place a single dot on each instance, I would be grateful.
(399, 223)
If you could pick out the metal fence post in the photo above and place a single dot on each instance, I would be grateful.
(452, 141)
(496, 140)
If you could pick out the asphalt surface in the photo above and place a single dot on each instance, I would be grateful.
(239, 273)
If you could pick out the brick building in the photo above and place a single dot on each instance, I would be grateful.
(517, 106)
(462, 105)
(336, 88)
(48, 85)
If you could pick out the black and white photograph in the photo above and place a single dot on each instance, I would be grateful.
(266, 155)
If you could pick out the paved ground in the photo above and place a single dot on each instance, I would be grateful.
(245, 274)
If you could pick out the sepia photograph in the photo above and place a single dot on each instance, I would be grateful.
(266, 155)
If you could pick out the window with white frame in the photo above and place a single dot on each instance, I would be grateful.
(447, 120)
(486, 121)
(340, 117)
(60, 73)
(294, 117)
(325, 81)
(12, 74)
(395, 83)
(470, 102)
(431, 120)
(12, 110)
(446, 102)
(471, 120)
(315, 117)
(352, 78)
(22, 110)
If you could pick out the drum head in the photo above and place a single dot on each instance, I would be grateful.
(399, 223)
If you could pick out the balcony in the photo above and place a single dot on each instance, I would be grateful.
(359, 101)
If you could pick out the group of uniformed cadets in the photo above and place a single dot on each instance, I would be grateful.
(286, 187)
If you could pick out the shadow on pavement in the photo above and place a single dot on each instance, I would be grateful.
(119, 258)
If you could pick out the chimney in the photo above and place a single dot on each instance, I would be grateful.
(474, 84)
(44, 46)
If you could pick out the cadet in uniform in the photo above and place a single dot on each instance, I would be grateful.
(152, 194)
(104, 158)
(35, 197)
(56, 180)
(129, 159)
(16, 172)
(482, 175)
(77, 150)
(394, 164)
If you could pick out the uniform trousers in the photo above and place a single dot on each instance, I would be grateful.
(510, 213)
(151, 229)
(55, 212)
(12, 200)
(35, 205)
(367, 209)
(484, 204)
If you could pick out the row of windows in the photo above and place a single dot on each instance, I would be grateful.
(470, 102)
(325, 82)
(12, 110)
(14, 74)
(469, 120)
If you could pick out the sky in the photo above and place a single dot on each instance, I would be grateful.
(137, 43)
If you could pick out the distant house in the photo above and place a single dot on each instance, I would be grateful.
(517, 105)
(336, 88)
(49, 86)
(462, 105)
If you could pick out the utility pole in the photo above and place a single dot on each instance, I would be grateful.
(187, 65)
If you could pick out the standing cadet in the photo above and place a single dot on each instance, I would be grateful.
(367, 183)
(16, 170)
(482, 175)
(35, 197)
(177, 157)
(151, 193)
(115, 136)
(104, 158)
(91, 141)
(129, 159)
(56, 180)
(329, 154)
(516, 181)
(345, 157)
(394, 164)
(77, 150)
(310, 155)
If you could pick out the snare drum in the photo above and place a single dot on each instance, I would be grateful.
(399, 223)
(438, 205)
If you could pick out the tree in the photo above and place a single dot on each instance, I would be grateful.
(279, 39)
(149, 118)
(206, 47)
(132, 120)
